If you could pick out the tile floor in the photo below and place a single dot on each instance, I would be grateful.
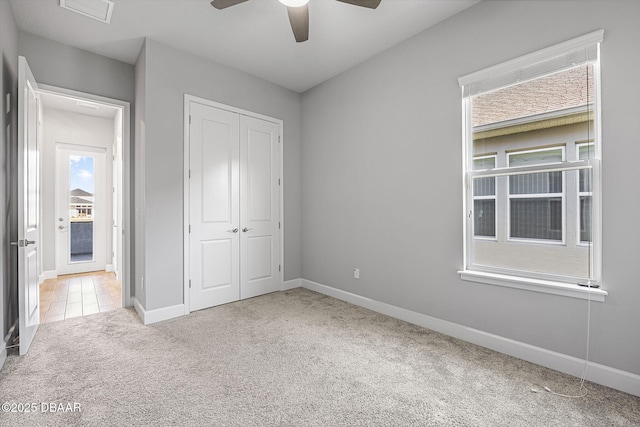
(79, 295)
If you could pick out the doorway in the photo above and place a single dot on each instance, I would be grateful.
(35, 188)
(83, 204)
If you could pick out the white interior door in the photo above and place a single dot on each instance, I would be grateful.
(28, 206)
(234, 206)
(214, 249)
(259, 207)
(81, 214)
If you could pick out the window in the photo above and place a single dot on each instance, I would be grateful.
(531, 162)
(584, 194)
(536, 200)
(484, 199)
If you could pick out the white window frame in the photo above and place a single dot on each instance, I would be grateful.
(579, 241)
(494, 198)
(528, 67)
(563, 240)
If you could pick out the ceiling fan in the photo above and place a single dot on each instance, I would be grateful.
(298, 12)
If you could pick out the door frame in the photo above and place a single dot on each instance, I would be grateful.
(188, 99)
(122, 182)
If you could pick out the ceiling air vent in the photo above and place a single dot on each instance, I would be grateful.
(96, 9)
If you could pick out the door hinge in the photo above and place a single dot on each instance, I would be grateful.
(279, 268)
(278, 225)
(189, 118)
(189, 228)
(278, 181)
(278, 139)
(189, 283)
(189, 173)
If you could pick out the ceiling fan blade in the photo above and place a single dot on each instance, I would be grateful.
(299, 18)
(223, 4)
(371, 4)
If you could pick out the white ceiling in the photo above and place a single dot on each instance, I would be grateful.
(254, 36)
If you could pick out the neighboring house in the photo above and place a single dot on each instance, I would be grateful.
(530, 220)
(80, 205)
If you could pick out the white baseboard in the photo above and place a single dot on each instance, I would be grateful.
(109, 268)
(597, 373)
(49, 274)
(291, 284)
(157, 315)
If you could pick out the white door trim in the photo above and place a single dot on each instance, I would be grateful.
(188, 99)
(124, 185)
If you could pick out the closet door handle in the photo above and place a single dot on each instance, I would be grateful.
(246, 229)
(235, 230)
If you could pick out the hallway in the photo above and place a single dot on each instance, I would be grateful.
(79, 295)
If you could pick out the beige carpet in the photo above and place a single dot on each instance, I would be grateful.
(293, 358)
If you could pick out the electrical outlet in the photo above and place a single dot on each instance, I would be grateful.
(356, 273)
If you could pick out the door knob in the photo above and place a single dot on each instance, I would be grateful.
(61, 227)
(235, 230)
(246, 229)
(23, 243)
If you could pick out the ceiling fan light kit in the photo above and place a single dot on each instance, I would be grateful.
(298, 11)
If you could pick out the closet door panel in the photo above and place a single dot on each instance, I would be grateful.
(259, 207)
(214, 207)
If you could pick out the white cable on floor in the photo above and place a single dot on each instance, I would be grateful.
(583, 390)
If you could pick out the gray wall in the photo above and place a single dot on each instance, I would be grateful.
(8, 161)
(170, 74)
(382, 180)
(137, 176)
(68, 67)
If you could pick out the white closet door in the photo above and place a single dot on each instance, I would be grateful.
(259, 207)
(214, 207)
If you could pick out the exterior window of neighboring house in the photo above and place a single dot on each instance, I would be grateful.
(585, 194)
(536, 200)
(531, 165)
(484, 199)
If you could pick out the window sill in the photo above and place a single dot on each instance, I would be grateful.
(535, 285)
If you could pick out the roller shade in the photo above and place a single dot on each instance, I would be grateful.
(563, 56)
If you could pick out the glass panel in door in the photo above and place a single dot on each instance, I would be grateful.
(81, 212)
